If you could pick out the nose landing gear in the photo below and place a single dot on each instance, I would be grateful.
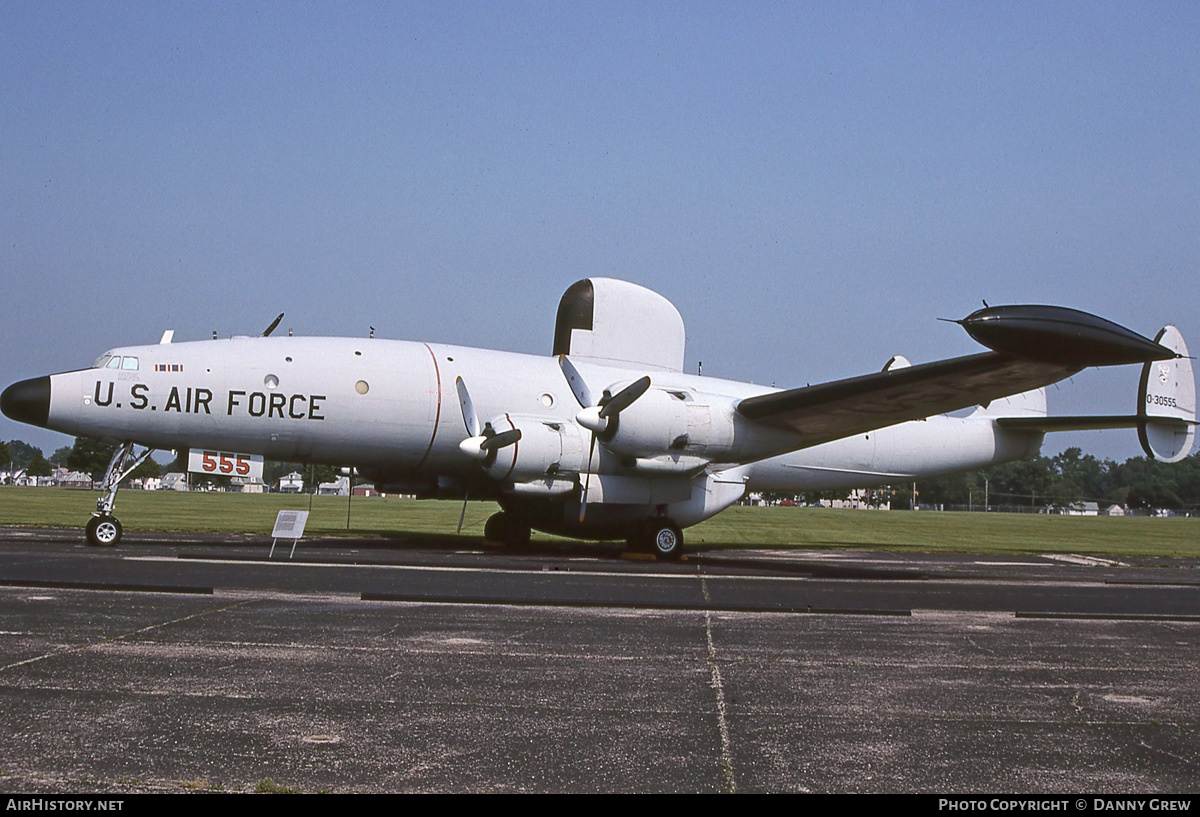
(103, 529)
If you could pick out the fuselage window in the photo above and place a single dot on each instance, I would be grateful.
(129, 363)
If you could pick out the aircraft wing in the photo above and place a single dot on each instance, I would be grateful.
(1032, 346)
(842, 408)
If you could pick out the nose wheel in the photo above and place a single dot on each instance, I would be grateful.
(103, 531)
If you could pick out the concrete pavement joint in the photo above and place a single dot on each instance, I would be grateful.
(726, 746)
(122, 636)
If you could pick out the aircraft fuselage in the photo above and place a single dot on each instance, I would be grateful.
(390, 408)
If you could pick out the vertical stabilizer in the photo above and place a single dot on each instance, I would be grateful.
(1167, 402)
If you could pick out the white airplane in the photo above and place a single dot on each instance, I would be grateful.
(606, 437)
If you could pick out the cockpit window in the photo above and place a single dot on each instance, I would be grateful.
(128, 363)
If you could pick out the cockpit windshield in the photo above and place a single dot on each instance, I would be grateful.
(110, 361)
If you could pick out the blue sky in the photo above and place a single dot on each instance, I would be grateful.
(812, 184)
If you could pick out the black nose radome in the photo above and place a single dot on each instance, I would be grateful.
(27, 401)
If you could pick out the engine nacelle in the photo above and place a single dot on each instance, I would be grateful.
(546, 447)
(663, 421)
(655, 423)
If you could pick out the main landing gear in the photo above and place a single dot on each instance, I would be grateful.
(505, 529)
(658, 535)
(103, 529)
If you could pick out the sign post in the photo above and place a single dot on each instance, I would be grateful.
(288, 525)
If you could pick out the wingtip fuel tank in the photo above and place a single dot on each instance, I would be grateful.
(1058, 334)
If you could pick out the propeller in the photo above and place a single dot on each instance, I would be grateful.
(601, 417)
(487, 444)
(480, 444)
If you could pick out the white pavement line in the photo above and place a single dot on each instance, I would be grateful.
(726, 748)
(123, 636)
(1091, 561)
(497, 571)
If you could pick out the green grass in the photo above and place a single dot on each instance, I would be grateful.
(925, 531)
(958, 532)
(241, 513)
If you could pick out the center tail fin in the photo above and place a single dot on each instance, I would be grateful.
(1029, 404)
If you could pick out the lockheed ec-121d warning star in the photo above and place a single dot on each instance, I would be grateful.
(606, 437)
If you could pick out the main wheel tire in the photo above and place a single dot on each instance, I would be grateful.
(103, 531)
(505, 529)
(665, 538)
(495, 528)
(518, 533)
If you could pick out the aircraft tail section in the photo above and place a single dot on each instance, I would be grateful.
(1167, 402)
(1166, 409)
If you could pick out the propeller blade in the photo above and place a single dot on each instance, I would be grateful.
(501, 440)
(595, 417)
(625, 397)
(274, 323)
(587, 478)
(462, 515)
(470, 420)
(575, 380)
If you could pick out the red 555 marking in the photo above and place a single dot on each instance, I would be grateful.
(225, 463)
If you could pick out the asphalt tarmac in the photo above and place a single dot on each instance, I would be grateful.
(178, 663)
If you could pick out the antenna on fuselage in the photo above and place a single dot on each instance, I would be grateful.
(271, 328)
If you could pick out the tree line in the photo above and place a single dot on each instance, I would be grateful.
(1060, 481)
(91, 457)
(1063, 481)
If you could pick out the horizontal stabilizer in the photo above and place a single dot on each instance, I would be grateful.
(1080, 423)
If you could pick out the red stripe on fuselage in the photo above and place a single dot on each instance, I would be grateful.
(438, 416)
